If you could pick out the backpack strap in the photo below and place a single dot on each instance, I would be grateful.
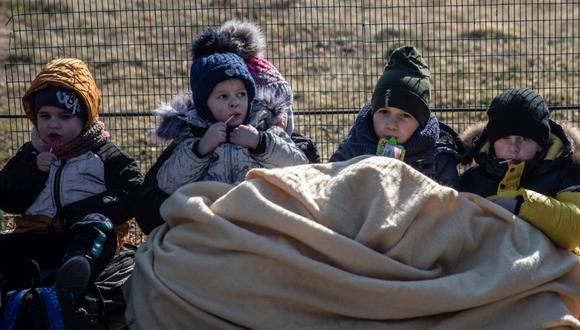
(12, 307)
(49, 305)
(52, 308)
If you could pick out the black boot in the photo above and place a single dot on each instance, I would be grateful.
(74, 276)
(88, 238)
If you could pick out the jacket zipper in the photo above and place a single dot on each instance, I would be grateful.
(56, 193)
(229, 163)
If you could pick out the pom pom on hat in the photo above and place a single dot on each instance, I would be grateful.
(210, 67)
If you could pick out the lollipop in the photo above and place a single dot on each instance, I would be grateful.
(52, 143)
(228, 120)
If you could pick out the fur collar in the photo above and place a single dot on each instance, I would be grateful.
(570, 135)
(179, 116)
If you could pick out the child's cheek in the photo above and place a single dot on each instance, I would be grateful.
(378, 127)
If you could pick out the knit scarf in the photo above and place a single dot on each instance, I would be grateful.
(424, 138)
(94, 136)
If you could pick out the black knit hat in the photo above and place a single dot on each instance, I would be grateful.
(405, 84)
(519, 111)
(61, 97)
(208, 71)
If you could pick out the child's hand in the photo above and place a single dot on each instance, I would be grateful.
(44, 160)
(245, 136)
(213, 137)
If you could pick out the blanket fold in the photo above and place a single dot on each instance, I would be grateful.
(367, 243)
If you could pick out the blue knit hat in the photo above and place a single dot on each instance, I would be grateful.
(208, 71)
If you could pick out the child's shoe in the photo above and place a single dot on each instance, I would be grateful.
(73, 276)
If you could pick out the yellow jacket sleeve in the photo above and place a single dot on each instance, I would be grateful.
(557, 217)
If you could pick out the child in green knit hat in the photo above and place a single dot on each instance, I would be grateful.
(398, 122)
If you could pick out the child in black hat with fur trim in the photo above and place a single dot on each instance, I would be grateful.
(218, 133)
(398, 122)
(70, 187)
(528, 164)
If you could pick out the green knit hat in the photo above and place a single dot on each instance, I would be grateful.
(405, 84)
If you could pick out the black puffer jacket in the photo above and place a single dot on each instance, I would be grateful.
(557, 170)
(546, 189)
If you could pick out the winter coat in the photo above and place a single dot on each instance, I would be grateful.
(102, 180)
(547, 190)
(434, 150)
(228, 163)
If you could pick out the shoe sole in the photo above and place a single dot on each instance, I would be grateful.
(73, 276)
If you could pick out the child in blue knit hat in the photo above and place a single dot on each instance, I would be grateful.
(246, 39)
(214, 132)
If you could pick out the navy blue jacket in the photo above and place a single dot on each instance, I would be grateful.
(434, 149)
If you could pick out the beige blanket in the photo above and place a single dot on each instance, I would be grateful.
(369, 243)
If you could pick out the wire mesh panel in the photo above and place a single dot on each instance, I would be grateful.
(331, 52)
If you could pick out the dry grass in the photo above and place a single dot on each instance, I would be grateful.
(331, 52)
(4, 129)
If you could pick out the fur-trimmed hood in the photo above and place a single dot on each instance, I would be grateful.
(474, 139)
(468, 139)
(179, 117)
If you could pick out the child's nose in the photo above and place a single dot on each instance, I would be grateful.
(514, 146)
(234, 102)
(53, 123)
(391, 123)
